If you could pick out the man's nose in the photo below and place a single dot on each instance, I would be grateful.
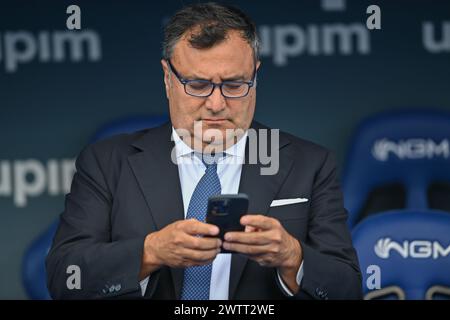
(216, 101)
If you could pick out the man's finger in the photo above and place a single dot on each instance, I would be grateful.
(246, 249)
(250, 229)
(250, 238)
(199, 257)
(258, 221)
(202, 243)
(195, 227)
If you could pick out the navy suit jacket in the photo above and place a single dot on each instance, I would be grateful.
(127, 187)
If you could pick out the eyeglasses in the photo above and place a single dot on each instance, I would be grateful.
(205, 88)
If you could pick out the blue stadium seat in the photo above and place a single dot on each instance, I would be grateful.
(411, 248)
(33, 264)
(405, 150)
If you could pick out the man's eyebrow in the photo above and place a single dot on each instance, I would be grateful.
(231, 78)
(195, 77)
(235, 78)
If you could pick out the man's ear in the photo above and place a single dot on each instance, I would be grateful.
(258, 64)
(166, 71)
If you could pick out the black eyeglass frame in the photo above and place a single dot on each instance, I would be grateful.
(184, 82)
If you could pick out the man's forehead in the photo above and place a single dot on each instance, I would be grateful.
(231, 57)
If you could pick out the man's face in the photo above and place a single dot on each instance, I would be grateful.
(232, 59)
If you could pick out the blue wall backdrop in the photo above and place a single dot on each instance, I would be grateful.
(322, 72)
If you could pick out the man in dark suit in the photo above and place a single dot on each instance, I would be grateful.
(134, 222)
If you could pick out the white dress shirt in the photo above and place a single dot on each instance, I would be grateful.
(229, 168)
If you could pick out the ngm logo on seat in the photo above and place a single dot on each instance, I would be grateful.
(416, 249)
(408, 149)
(21, 47)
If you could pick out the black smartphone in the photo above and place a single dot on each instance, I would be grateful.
(225, 211)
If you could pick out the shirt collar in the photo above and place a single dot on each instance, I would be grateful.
(182, 149)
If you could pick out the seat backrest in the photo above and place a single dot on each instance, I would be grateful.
(409, 252)
(410, 148)
(33, 264)
(34, 276)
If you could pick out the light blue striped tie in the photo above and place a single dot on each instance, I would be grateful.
(197, 280)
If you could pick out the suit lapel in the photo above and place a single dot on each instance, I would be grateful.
(261, 190)
(159, 181)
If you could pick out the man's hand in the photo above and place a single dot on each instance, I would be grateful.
(269, 244)
(178, 245)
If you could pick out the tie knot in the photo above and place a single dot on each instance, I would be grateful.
(210, 160)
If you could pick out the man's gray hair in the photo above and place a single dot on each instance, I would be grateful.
(210, 23)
